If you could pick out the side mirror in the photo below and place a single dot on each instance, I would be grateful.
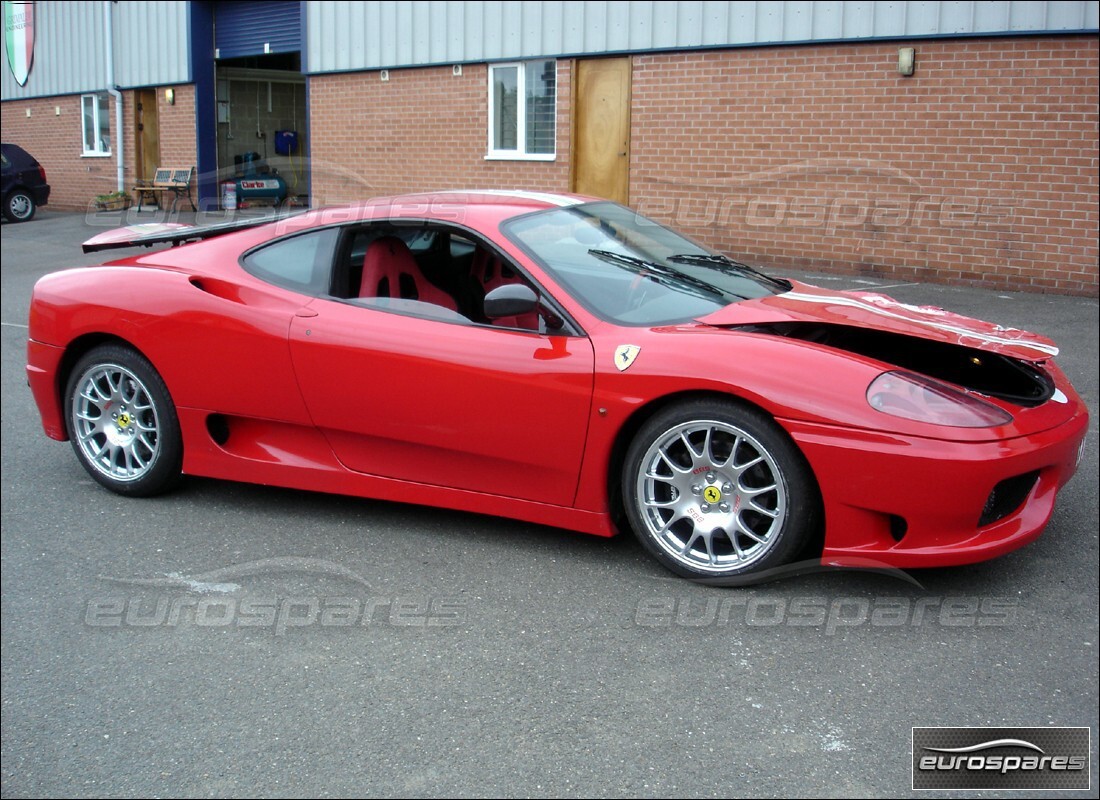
(510, 300)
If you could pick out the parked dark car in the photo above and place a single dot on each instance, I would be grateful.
(24, 188)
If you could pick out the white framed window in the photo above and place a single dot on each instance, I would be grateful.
(95, 124)
(522, 110)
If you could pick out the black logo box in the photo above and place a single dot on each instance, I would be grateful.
(1002, 758)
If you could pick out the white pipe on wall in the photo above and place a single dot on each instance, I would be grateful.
(112, 89)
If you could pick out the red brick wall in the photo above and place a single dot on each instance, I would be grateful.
(176, 126)
(423, 129)
(55, 140)
(981, 168)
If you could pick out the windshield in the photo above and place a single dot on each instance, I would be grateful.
(631, 270)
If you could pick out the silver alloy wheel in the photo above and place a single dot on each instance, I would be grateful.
(711, 496)
(115, 422)
(21, 206)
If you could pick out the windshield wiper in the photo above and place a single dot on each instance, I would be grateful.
(671, 276)
(726, 261)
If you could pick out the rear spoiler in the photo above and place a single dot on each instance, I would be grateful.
(174, 233)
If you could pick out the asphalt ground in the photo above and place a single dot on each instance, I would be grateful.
(230, 639)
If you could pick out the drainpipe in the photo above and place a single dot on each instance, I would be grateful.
(112, 89)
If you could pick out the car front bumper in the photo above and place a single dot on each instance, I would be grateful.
(903, 501)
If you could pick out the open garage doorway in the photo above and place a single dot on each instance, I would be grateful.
(261, 117)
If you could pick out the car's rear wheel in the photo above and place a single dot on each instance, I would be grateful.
(19, 206)
(718, 493)
(122, 422)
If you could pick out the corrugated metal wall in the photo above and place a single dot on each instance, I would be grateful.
(68, 52)
(151, 39)
(151, 43)
(353, 35)
(151, 48)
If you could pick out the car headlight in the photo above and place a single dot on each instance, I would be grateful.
(916, 397)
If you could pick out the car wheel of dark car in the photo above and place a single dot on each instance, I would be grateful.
(122, 422)
(717, 492)
(19, 206)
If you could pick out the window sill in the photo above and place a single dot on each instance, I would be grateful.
(95, 155)
(505, 156)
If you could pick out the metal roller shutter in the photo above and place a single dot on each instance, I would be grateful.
(256, 27)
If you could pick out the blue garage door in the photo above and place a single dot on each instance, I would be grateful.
(256, 27)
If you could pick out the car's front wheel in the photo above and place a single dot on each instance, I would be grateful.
(717, 492)
(122, 422)
(19, 206)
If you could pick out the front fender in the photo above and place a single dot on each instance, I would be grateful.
(792, 380)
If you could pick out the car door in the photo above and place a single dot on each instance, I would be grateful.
(421, 397)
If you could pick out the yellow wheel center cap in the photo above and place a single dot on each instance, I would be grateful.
(124, 421)
(712, 494)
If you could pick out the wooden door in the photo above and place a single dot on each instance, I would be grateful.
(146, 134)
(601, 140)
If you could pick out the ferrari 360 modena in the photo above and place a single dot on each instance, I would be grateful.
(561, 360)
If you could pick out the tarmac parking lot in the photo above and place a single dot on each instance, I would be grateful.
(229, 639)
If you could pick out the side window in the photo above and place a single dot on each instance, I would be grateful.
(431, 271)
(522, 102)
(96, 124)
(300, 263)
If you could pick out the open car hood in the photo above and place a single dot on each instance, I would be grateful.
(806, 303)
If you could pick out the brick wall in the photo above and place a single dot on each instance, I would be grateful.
(981, 168)
(55, 139)
(423, 129)
(177, 128)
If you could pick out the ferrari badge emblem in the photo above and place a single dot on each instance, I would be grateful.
(625, 355)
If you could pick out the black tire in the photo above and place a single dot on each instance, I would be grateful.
(19, 206)
(138, 451)
(695, 491)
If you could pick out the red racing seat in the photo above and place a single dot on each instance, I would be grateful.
(386, 262)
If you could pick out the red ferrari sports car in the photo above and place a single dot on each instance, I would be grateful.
(562, 360)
